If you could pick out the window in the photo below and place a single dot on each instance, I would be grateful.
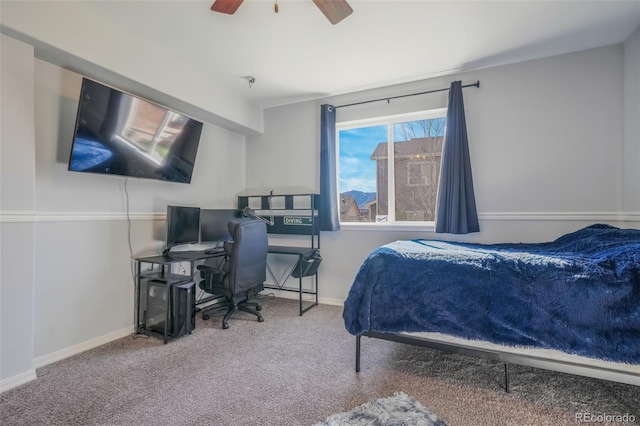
(390, 183)
(417, 173)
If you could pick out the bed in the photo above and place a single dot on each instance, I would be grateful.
(570, 305)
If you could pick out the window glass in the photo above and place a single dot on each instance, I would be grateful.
(417, 150)
(363, 174)
(383, 184)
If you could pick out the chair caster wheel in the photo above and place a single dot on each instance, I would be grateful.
(260, 319)
(225, 325)
(258, 308)
(205, 317)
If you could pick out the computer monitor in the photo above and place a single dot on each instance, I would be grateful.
(213, 224)
(183, 225)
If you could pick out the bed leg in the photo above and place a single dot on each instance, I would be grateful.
(358, 337)
(506, 377)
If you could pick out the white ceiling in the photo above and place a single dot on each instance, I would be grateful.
(298, 55)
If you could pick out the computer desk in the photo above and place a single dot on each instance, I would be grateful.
(172, 279)
(299, 252)
(290, 214)
(164, 275)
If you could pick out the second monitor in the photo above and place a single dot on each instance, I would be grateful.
(213, 224)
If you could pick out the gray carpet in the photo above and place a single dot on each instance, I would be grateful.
(292, 370)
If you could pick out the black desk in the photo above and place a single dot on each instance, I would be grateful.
(164, 275)
(299, 252)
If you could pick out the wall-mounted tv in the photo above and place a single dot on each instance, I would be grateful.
(120, 134)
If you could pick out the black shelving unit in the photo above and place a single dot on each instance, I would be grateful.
(293, 214)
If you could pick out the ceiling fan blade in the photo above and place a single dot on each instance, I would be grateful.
(226, 6)
(334, 10)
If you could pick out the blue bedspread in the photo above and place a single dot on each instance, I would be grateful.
(579, 294)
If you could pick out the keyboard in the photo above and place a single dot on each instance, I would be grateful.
(187, 254)
(195, 254)
(214, 250)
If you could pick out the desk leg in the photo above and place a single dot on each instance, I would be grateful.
(280, 285)
(137, 296)
(189, 313)
(316, 287)
(167, 315)
(300, 282)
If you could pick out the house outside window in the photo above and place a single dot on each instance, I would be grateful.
(417, 173)
(391, 183)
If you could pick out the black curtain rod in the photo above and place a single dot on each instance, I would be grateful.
(476, 84)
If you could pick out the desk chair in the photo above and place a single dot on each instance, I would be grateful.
(243, 274)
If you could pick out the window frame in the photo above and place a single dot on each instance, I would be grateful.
(389, 121)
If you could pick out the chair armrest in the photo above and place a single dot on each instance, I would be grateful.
(209, 269)
(228, 247)
(212, 278)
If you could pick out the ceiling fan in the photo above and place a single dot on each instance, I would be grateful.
(334, 10)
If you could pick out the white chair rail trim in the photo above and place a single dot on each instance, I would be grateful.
(562, 216)
(30, 216)
(66, 216)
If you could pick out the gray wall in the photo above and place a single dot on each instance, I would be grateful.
(67, 282)
(17, 165)
(546, 140)
(632, 122)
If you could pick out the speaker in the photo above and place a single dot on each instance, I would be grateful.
(182, 309)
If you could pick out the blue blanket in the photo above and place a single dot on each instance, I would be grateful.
(579, 294)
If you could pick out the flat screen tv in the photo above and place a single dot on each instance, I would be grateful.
(120, 134)
(183, 226)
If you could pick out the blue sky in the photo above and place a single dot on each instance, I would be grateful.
(357, 170)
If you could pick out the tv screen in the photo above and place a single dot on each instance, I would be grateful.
(121, 134)
(213, 224)
(183, 226)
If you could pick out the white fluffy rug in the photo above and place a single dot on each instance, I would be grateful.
(397, 410)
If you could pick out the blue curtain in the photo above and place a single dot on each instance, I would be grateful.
(456, 208)
(328, 211)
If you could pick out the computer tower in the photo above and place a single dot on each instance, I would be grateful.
(181, 307)
(183, 313)
(154, 305)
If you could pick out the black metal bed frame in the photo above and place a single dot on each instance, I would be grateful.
(506, 358)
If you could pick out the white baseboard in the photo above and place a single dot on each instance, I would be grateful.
(17, 380)
(56, 356)
(306, 298)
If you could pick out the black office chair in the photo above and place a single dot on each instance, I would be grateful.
(243, 274)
